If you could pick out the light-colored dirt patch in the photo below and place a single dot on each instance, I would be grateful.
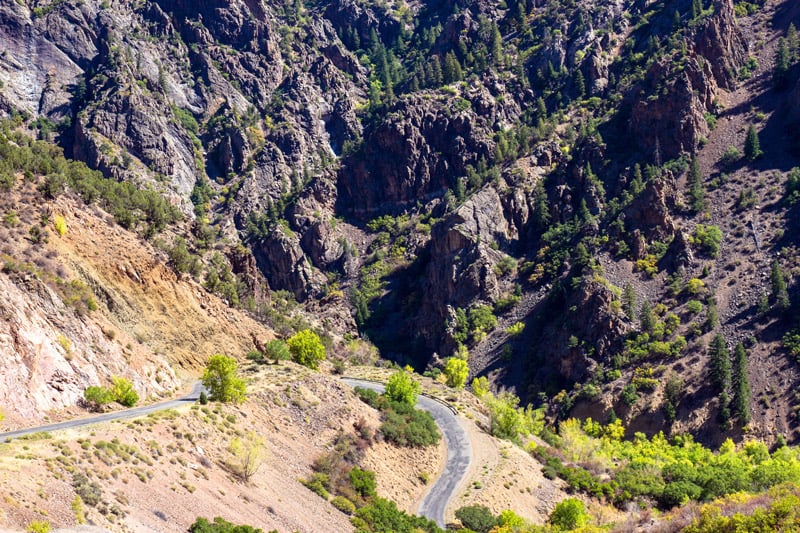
(503, 476)
(401, 480)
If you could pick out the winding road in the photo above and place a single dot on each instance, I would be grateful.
(193, 396)
(459, 452)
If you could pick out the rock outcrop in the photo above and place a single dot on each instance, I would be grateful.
(668, 113)
(668, 119)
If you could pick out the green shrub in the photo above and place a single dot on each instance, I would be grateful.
(405, 426)
(363, 482)
(516, 329)
(306, 348)
(344, 505)
(383, 515)
(277, 350)
(97, 396)
(220, 525)
(707, 239)
(694, 307)
(123, 392)
(39, 526)
(478, 518)
(402, 424)
(89, 491)
(480, 386)
(319, 484)
(629, 395)
(482, 319)
(791, 342)
(456, 371)
(402, 388)
(371, 397)
(569, 514)
(731, 156)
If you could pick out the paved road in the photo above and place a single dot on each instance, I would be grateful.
(459, 453)
(116, 415)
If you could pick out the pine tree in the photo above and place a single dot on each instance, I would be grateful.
(724, 409)
(696, 192)
(752, 146)
(541, 208)
(541, 108)
(676, 20)
(582, 256)
(697, 8)
(452, 68)
(580, 84)
(497, 45)
(646, 319)
(763, 304)
(629, 301)
(779, 292)
(719, 364)
(782, 64)
(792, 42)
(711, 315)
(741, 385)
(436, 72)
(637, 183)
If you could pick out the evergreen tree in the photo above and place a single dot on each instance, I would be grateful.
(792, 42)
(374, 94)
(646, 319)
(452, 68)
(763, 304)
(719, 364)
(696, 193)
(752, 146)
(676, 20)
(637, 183)
(541, 209)
(497, 45)
(779, 292)
(711, 315)
(582, 256)
(697, 8)
(436, 72)
(741, 385)
(782, 64)
(724, 409)
(629, 302)
(580, 84)
(541, 108)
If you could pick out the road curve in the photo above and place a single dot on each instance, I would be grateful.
(459, 452)
(106, 417)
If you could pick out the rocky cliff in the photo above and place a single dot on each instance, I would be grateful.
(401, 169)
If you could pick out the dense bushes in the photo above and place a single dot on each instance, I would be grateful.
(781, 512)
(121, 391)
(569, 514)
(383, 515)
(129, 204)
(306, 348)
(220, 525)
(405, 426)
(668, 472)
(402, 388)
(477, 518)
(402, 423)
